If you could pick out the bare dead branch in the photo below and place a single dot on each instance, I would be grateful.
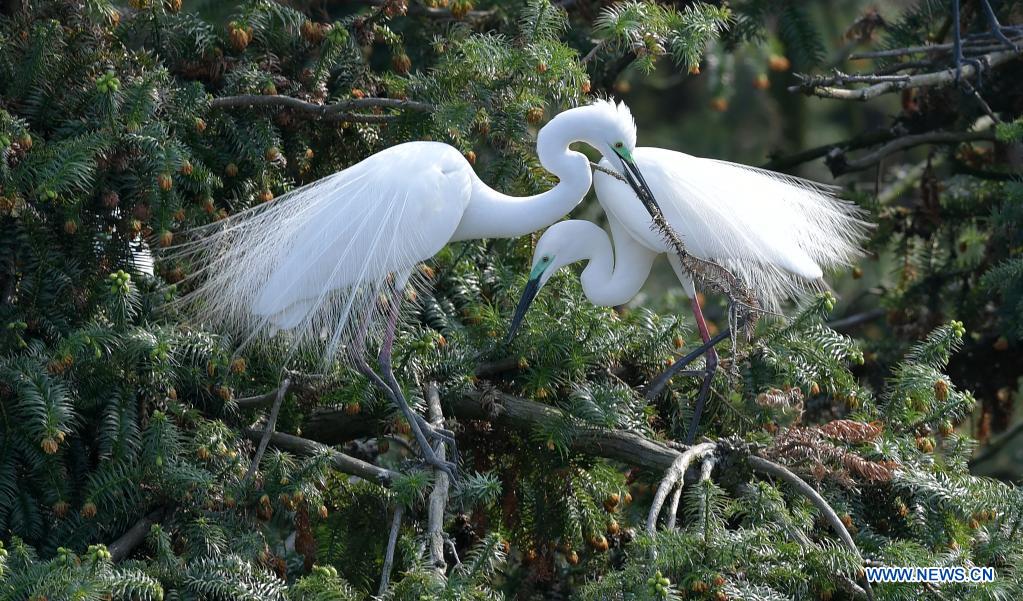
(339, 461)
(770, 468)
(672, 477)
(439, 496)
(887, 84)
(840, 165)
(864, 140)
(392, 542)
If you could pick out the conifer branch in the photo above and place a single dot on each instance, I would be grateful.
(770, 468)
(341, 111)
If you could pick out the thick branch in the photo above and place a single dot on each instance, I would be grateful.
(890, 84)
(341, 111)
(339, 461)
(511, 412)
(123, 546)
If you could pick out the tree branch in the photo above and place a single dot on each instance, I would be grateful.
(341, 111)
(770, 468)
(123, 546)
(392, 542)
(271, 423)
(439, 496)
(672, 477)
(839, 165)
(339, 461)
(416, 9)
(627, 447)
(887, 84)
(861, 141)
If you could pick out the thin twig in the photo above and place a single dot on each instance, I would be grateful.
(852, 321)
(439, 496)
(926, 49)
(864, 140)
(593, 51)
(340, 111)
(271, 423)
(781, 472)
(392, 542)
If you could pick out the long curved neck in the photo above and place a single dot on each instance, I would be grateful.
(613, 278)
(491, 214)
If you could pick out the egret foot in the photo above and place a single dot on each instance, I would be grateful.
(439, 435)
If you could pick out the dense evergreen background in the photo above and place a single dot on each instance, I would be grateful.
(122, 126)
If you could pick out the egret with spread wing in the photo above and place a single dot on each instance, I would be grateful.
(776, 234)
(313, 265)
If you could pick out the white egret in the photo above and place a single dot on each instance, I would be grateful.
(777, 234)
(316, 262)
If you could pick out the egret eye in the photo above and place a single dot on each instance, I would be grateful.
(545, 259)
(619, 145)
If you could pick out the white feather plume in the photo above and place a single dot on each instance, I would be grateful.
(313, 264)
(777, 233)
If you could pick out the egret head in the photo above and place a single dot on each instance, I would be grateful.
(563, 243)
(610, 128)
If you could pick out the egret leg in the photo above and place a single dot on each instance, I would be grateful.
(995, 29)
(394, 392)
(708, 376)
(658, 383)
(421, 429)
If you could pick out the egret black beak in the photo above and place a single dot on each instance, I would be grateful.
(528, 294)
(636, 180)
